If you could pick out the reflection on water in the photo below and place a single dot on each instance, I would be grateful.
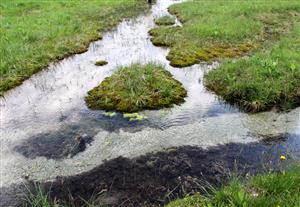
(47, 111)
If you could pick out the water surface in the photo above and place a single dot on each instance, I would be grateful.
(47, 112)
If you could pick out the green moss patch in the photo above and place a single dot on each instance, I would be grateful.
(165, 20)
(135, 88)
(216, 29)
(101, 63)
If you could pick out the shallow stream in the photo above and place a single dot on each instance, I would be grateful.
(41, 118)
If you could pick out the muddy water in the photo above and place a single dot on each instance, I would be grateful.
(41, 119)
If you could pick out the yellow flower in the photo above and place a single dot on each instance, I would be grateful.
(282, 157)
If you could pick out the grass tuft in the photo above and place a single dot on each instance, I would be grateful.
(135, 88)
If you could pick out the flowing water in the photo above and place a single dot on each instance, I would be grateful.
(41, 118)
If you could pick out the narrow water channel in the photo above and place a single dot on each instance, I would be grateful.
(41, 118)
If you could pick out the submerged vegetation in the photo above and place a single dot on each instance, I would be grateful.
(165, 20)
(220, 29)
(34, 33)
(137, 87)
(270, 78)
(269, 190)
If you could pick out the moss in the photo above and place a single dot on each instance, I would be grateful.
(162, 36)
(184, 55)
(135, 88)
(165, 20)
(101, 63)
(182, 58)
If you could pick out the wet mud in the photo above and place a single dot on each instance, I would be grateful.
(157, 178)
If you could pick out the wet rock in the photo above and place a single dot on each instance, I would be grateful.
(101, 63)
(80, 144)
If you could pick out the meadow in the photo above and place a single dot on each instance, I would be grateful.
(35, 33)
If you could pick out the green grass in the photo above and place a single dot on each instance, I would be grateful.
(165, 20)
(267, 190)
(33, 33)
(137, 87)
(220, 29)
(270, 78)
(38, 198)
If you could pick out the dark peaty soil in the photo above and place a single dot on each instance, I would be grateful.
(157, 178)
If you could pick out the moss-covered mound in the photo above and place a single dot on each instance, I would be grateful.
(101, 62)
(135, 88)
(165, 20)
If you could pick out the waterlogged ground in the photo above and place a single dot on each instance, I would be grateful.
(42, 119)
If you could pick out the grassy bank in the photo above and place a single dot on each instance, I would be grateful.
(273, 189)
(137, 87)
(268, 31)
(268, 190)
(33, 33)
(270, 78)
(220, 29)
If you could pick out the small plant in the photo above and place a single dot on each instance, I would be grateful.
(293, 67)
(36, 197)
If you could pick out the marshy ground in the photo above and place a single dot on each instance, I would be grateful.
(214, 30)
(153, 157)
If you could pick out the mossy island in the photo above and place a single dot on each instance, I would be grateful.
(137, 87)
(166, 20)
(101, 63)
